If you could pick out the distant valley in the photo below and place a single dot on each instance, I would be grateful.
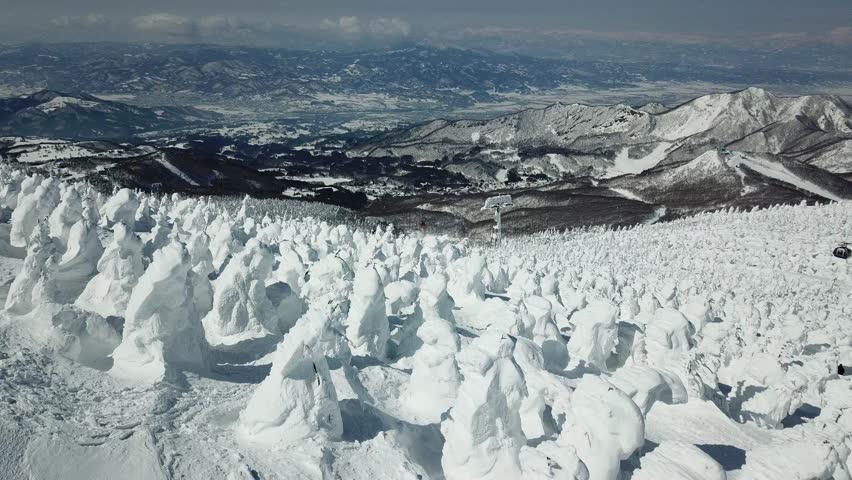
(415, 83)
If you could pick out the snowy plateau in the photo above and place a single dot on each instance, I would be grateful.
(163, 336)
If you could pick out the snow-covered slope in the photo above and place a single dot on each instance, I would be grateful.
(63, 115)
(36, 150)
(722, 177)
(611, 140)
(778, 171)
(707, 347)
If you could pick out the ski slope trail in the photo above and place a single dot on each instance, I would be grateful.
(777, 171)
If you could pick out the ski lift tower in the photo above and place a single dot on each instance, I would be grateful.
(497, 203)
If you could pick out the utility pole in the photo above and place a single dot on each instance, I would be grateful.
(497, 204)
(499, 224)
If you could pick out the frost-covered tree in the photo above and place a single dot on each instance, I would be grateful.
(163, 334)
(198, 246)
(435, 376)
(291, 269)
(367, 324)
(159, 236)
(121, 207)
(605, 427)
(465, 285)
(10, 186)
(297, 401)
(595, 334)
(119, 269)
(65, 215)
(224, 243)
(79, 263)
(241, 309)
(143, 218)
(31, 209)
(483, 434)
(34, 283)
(545, 333)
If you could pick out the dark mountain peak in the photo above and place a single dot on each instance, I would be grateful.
(53, 113)
(43, 96)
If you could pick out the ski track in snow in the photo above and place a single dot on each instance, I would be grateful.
(627, 194)
(162, 161)
(776, 323)
(778, 172)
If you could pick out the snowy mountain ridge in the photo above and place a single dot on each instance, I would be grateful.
(583, 138)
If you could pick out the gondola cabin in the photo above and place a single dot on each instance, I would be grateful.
(842, 251)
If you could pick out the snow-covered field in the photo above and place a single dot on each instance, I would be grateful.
(41, 150)
(163, 337)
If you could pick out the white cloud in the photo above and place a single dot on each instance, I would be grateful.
(226, 27)
(389, 27)
(344, 26)
(381, 28)
(841, 36)
(92, 20)
(164, 23)
(370, 32)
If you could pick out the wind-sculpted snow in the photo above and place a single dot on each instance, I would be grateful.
(679, 460)
(202, 339)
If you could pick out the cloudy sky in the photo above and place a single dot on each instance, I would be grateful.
(359, 23)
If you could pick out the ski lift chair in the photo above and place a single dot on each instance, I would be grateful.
(842, 251)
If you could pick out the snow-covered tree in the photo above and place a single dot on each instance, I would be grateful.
(34, 284)
(31, 209)
(65, 215)
(367, 325)
(483, 434)
(121, 207)
(241, 309)
(119, 269)
(163, 334)
(435, 376)
(297, 401)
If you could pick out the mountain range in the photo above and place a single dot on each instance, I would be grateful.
(565, 165)
(417, 78)
(575, 164)
(608, 141)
